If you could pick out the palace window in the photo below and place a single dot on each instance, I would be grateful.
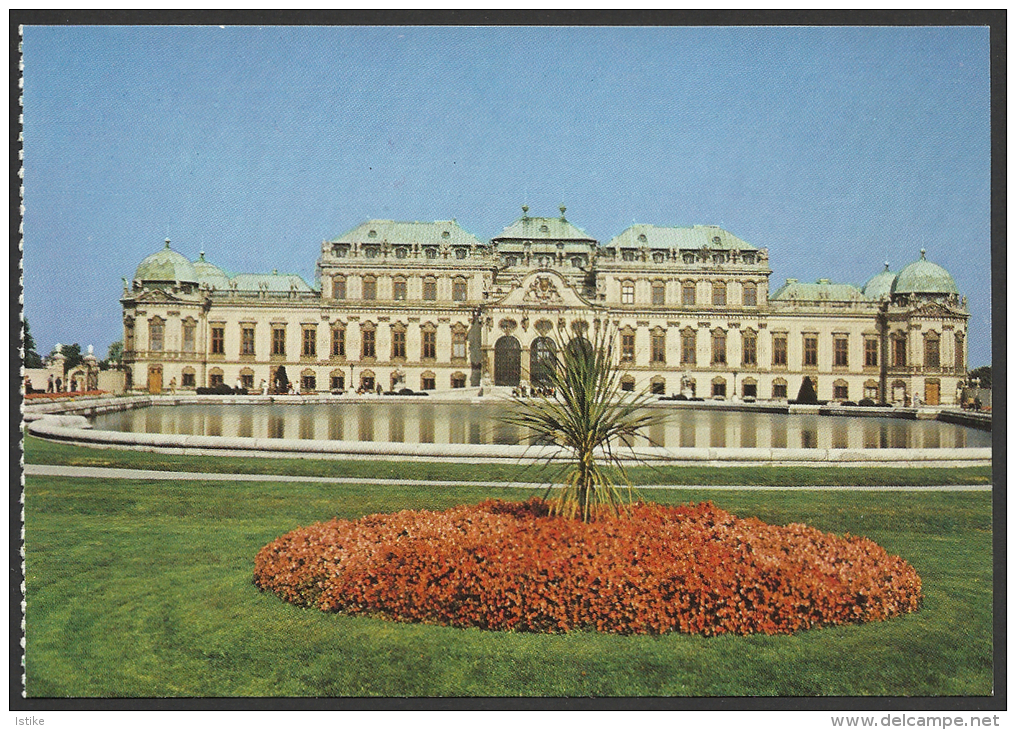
(688, 293)
(338, 341)
(247, 339)
(430, 289)
(811, 351)
(128, 335)
(458, 380)
(369, 287)
(779, 389)
(840, 390)
(399, 288)
(429, 345)
(628, 384)
(899, 351)
(688, 347)
(461, 253)
(367, 341)
(398, 344)
(719, 347)
(218, 339)
(658, 347)
(308, 383)
(627, 292)
(339, 287)
(430, 253)
(749, 296)
(627, 347)
(459, 289)
(960, 363)
(719, 294)
(279, 339)
(749, 348)
(187, 378)
(870, 352)
(247, 380)
(189, 335)
(779, 350)
(338, 382)
(840, 351)
(931, 351)
(459, 345)
(659, 294)
(156, 334)
(428, 381)
(658, 386)
(871, 390)
(628, 254)
(215, 378)
(720, 388)
(309, 341)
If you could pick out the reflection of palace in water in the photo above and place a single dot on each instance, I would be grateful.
(456, 424)
(429, 306)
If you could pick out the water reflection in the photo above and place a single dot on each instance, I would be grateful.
(457, 424)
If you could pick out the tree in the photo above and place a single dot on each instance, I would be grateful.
(32, 357)
(114, 356)
(983, 374)
(807, 392)
(589, 416)
(73, 355)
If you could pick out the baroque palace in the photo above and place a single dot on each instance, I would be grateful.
(428, 306)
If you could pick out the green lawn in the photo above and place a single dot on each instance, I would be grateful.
(143, 588)
(38, 451)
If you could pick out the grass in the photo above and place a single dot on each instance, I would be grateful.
(38, 451)
(143, 588)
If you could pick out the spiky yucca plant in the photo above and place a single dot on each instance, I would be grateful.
(588, 415)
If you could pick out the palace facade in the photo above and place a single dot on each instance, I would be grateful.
(429, 306)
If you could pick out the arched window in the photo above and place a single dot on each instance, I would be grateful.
(337, 380)
(779, 389)
(719, 294)
(628, 345)
(369, 287)
(719, 348)
(658, 385)
(338, 287)
(749, 348)
(214, 377)
(398, 341)
(459, 289)
(368, 340)
(399, 287)
(308, 381)
(932, 351)
(187, 379)
(428, 381)
(429, 288)
(458, 380)
(428, 341)
(688, 293)
(659, 294)
(628, 384)
(719, 387)
(338, 340)
(658, 346)
(841, 391)
(749, 388)
(749, 295)
(688, 346)
(459, 333)
(157, 334)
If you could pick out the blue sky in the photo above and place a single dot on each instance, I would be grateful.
(835, 148)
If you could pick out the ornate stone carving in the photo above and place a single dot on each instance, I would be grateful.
(542, 289)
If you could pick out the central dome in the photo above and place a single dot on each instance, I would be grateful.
(165, 266)
(924, 277)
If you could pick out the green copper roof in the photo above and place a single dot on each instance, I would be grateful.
(822, 290)
(924, 277)
(880, 285)
(434, 234)
(536, 229)
(209, 273)
(273, 282)
(166, 265)
(643, 235)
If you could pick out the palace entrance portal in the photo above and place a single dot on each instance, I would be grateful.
(507, 361)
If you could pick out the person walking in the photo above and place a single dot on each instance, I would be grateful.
(59, 385)
(49, 384)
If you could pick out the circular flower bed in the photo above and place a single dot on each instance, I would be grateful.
(509, 566)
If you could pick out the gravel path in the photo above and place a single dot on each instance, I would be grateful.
(94, 472)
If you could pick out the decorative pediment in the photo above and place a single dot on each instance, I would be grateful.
(157, 296)
(543, 289)
(933, 310)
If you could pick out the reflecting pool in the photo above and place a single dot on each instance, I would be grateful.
(458, 423)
